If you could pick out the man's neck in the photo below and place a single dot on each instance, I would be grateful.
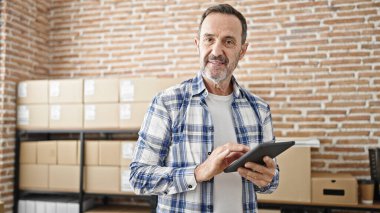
(222, 88)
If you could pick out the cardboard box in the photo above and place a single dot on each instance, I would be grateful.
(132, 115)
(127, 150)
(102, 179)
(66, 116)
(64, 178)
(334, 188)
(32, 116)
(33, 176)
(47, 152)
(67, 152)
(109, 153)
(101, 116)
(144, 89)
(105, 90)
(28, 152)
(32, 92)
(91, 153)
(66, 91)
(295, 176)
(125, 186)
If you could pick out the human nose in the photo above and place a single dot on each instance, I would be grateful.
(217, 49)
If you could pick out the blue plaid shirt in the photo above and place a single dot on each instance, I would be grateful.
(177, 135)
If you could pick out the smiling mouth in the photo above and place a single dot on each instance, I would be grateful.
(216, 62)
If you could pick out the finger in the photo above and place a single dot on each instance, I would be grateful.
(261, 169)
(232, 157)
(269, 162)
(235, 147)
(254, 177)
(223, 155)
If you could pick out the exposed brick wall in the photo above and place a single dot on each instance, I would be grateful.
(24, 55)
(316, 62)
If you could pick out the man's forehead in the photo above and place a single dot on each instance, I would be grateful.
(219, 24)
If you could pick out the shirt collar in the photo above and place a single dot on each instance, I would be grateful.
(199, 88)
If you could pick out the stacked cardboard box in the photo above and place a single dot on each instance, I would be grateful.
(52, 204)
(111, 158)
(49, 165)
(101, 107)
(65, 104)
(102, 103)
(135, 97)
(32, 109)
(54, 166)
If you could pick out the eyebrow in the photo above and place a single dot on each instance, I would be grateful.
(213, 35)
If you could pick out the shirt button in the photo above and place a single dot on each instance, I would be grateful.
(190, 186)
(209, 153)
(210, 128)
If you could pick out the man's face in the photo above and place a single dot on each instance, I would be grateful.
(219, 45)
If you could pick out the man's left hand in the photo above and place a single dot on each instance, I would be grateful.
(258, 174)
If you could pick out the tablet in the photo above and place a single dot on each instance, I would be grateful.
(257, 154)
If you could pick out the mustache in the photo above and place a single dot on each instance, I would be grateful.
(220, 58)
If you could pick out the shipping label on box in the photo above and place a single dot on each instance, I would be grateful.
(55, 112)
(89, 112)
(22, 115)
(125, 112)
(54, 90)
(22, 90)
(127, 90)
(89, 87)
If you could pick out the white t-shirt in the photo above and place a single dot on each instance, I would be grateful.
(227, 186)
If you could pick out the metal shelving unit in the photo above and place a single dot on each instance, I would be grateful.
(37, 135)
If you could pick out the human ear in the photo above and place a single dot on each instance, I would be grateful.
(243, 50)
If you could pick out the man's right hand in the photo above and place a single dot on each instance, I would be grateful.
(219, 159)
